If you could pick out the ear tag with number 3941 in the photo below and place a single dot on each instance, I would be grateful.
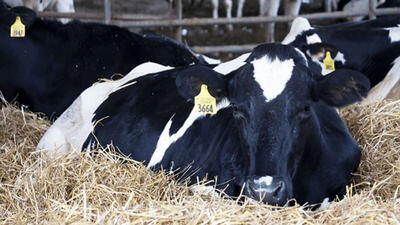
(18, 28)
(204, 102)
(329, 63)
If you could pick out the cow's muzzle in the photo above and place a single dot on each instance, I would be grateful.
(271, 190)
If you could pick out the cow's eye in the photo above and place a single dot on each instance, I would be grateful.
(305, 112)
(307, 108)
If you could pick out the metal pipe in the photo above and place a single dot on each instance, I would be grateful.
(371, 9)
(250, 20)
(107, 11)
(100, 16)
(328, 5)
(179, 12)
(224, 48)
(122, 20)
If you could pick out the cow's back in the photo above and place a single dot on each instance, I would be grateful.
(54, 63)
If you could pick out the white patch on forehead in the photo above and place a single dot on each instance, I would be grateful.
(272, 75)
(299, 25)
(312, 39)
(165, 140)
(266, 180)
(227, 67)
(394, 34)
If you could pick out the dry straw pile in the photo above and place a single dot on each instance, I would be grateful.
(100, 189)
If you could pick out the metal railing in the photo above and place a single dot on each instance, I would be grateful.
(143, 21)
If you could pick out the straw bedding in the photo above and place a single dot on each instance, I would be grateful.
(101, 189)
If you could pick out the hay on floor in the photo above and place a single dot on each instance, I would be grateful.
(102, 190)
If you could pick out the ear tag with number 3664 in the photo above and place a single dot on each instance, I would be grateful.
(329, 63)
(18, 28)
(204, 102)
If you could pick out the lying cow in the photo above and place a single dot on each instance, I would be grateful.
(48, 68)
(363, 6)
(64, 6)
(372, 48)
(274, 131)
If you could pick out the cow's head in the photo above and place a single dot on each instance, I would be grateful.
(8, 17)
(305, 38)
(272, 96)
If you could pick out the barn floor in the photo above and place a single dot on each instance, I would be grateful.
(102, 190)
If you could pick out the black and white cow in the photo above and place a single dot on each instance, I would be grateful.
(363, 6)
(372, 48)
(275, 132)
(55, 62)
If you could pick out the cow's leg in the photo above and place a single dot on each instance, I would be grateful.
(228, 8)
(65, 6)
(272, 7)
(328, 5)
(263, 7)
(240, 8)
(215, 4)
(292, 8)
(335, 5)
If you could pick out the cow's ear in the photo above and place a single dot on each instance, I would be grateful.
(27, 16)
(189, 81)
(318, 51)
(341, 87)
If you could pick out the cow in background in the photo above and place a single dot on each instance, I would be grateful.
(49, 67)
(363, 6)
(271, 8)
(64, 6)
(371, 47)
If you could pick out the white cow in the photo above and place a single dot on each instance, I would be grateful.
(267, 8)
(228, 8)
(65, 6)
(360, 6)
(271, 8)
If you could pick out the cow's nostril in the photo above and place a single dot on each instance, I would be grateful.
(274, 193)
(277, 193)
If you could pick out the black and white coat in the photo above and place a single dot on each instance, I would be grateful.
(48, 68)
(275, 133)
(370, 47)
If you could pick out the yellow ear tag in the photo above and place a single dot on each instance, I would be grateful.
(18, 28)
(329, 63)
(204, 102)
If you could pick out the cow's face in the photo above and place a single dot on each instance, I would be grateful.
(316, 52)
(272, 97)
(306, 39)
